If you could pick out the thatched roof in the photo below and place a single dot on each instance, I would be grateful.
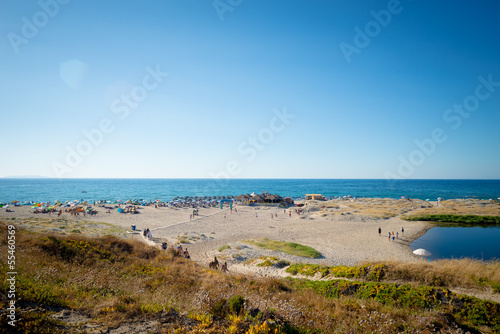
(272, 197)
(257, 198)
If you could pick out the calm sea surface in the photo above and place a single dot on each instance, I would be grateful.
(43, 190)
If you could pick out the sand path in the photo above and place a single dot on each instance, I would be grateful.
(341, 239)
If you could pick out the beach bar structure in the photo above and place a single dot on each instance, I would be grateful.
(314, 196)
(265, 198)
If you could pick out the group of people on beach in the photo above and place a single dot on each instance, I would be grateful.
(147, 234)
(391, 235)
(215, 265)
(182, 252)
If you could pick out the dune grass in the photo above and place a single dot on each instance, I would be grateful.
(464, 273)
(286, 247)
(456, 219)
(222, 248)
(463, 207)
(117, 282)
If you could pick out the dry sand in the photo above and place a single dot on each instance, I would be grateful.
(345, 233)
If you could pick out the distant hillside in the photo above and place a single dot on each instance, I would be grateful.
(26, 177)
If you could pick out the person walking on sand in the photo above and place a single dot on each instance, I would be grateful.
(397, 235)
(402, 231)
(379, 231)
(389, 236)
(256, 215)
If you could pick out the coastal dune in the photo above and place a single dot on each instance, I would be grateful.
(344, 232)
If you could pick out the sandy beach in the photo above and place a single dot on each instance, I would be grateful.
(344, 232)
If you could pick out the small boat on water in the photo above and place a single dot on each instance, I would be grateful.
(84, 192)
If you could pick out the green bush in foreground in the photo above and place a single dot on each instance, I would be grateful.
(471, 311)
(236, 304)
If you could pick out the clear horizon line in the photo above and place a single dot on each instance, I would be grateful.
(223, 179)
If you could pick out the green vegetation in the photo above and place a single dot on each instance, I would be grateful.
(466, 273)
(469, 311)
(456, 219)
(112, 283)
(224, 247)
(286, 247)
(236, 304)
(373, 272)
(271, 261)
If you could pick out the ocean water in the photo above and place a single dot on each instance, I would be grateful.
(43, 190)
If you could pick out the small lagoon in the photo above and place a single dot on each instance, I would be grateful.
(482, 243)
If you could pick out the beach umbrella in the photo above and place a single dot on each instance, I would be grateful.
(422, 252)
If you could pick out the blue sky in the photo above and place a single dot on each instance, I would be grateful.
(250, 89)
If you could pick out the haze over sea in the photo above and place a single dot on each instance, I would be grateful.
(43, 190)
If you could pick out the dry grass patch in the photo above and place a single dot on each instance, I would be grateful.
(464, 273)
(464, 207)
(373, 207)
(388, 207)
(65, 225)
